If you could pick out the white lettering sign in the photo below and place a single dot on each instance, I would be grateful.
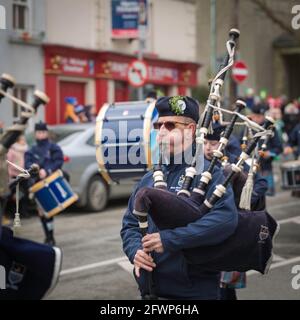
(296, 18)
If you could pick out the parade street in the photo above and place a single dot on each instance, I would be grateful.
(94, 266)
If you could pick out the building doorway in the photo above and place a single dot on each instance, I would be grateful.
(70, 89)
(292, 65)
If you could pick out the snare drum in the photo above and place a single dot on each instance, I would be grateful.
(290, 173)
(53, 194)
(125, 139)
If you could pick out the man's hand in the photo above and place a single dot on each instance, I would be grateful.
(144, 261)
(42, 174)
(265, 154)
(288, 150)
(152, 242)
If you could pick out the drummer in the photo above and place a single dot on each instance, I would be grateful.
(49, 157)
(293, 146)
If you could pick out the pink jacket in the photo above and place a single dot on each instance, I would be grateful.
(16, 155)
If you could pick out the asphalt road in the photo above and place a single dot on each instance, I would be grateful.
(95, 267)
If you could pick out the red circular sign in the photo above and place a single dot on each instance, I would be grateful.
(137, 73)
(239, 71)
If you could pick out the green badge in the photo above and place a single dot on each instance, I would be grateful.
(177, 105)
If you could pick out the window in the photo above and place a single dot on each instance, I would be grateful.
(21, 14)
(21, 93)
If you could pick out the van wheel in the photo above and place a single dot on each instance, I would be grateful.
(97, 194)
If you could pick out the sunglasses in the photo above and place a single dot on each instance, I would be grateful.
(169, 125)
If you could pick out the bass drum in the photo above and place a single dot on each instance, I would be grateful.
(125, 140)
(290, 173)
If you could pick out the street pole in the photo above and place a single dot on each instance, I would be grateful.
(235, 24)
(213, 55)
(142, 19)
(140, 57)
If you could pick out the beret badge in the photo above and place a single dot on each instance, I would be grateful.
(177, 105)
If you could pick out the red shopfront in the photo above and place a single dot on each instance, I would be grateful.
(95, 77)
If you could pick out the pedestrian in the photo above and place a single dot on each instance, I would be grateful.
(151, 96)
(16, 155)
(70, 114)
(49, 157)
(89, 113)
(80, 112)
(173, 277)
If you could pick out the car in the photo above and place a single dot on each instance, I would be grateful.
(78, 146)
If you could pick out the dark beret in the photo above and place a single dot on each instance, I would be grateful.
(178, 106)
(217, 131)
(260, 108)
(40, 126)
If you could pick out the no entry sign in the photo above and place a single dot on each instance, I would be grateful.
(137, 73)
(239, 71)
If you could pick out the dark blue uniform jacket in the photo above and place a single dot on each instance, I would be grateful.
(275, 147)
(46, 154)
(294, 139)
(260, 184)
(173, 277)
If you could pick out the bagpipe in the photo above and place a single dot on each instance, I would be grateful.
(250, 246)
(11, 134)
(28, 270)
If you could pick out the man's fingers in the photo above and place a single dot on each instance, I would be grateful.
(143, 266)
(157, 248)
(142, 261)
(144, 255)
(149, 243)
(137, 271)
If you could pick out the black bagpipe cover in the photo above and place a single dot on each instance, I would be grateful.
(32, 269)
(248, 248)
(166, 208)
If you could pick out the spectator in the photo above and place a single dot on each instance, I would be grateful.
(151, 96)
(70, 114)
(16, 155)
(89, 111)
(80, 112)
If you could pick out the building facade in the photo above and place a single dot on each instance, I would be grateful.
(271, 54)
(84, 58)
(22, 54)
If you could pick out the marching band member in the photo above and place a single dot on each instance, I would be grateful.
(49, 157)
(173, 278)
(274, 148)
(260, 183)
(230, 281)
(293, 146)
